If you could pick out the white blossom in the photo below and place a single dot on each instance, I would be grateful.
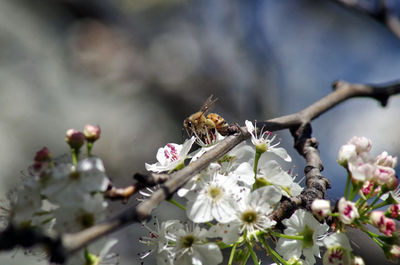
(189, 246)
(171, 156)
(338, 249)
(253, 213)
(158, 241)
(213, 199)
(75, 218)
(27, 202)
(66, 185)
(271, 173)
(302, 223)
(263, 142)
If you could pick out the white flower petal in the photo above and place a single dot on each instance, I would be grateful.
(199, 211)
(207, 254)
(281, 152)
(245, 174)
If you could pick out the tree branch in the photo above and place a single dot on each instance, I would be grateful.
(299, 125)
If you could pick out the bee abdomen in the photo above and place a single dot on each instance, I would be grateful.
(220, 124)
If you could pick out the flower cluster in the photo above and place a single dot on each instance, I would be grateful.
(65, 195)
(231, 203)
(369, 181)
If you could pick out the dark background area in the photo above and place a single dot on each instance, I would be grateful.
(139, 68)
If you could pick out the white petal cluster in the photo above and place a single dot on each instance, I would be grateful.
(364, 168)
(62, 197)
(179, 243)
(233, 195)
(302, 223)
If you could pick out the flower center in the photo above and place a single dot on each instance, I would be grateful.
(336, 256)
(249, 217)
(215, 192)
(308, 237)
(171, 153)
(86, 220)
(188, 241)
(347, 211)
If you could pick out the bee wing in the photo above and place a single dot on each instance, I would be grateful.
(207, 104)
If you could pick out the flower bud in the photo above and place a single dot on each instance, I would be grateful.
(321, 208)
(74, 138)
(394, 211)
(384, 176)
(386, 160)
(42, 155)
(92, 133)
(368, 187)
(347, 211)
(384, 224)
(361, 167)
(345, 152)
(362, 144)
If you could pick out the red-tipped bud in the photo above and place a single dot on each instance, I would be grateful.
(384, 224)
(394, 211)
(321, 208)
(92, 133)
(42, 155)
(74, 138)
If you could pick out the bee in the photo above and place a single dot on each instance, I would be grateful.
(203, 124)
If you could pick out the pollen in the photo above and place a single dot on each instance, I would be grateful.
(249, 217)
(215, 192)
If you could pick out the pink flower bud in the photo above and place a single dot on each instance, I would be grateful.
(362, 144)
(345, 152)
(321, 208)
(394, 211)
(42, 155)
(74, 138)
(386, 160)
(347, 211)
(92, 133)
(367, 188)
(384, 176)
(384, 224)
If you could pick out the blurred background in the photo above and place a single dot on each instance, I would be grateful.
(138, 68)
